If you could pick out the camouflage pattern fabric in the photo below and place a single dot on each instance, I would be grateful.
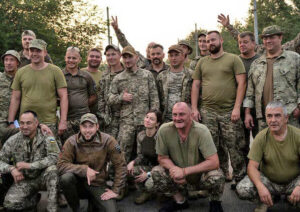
(194, 62)
(286, 82)
(247, 190)
(161, 182)
(137, 171)
(5, 93)
(228, 137)
(72, 129)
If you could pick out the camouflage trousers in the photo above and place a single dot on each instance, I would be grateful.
(127, 139)
(229, 138)
(72, 129)
(161, 182)
(262, 124)
(23, 195)
(113, 128)
(247, 190)
(137, 171)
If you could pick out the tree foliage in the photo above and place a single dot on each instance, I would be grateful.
(61, 23)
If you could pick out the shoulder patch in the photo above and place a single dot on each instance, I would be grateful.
(52, 140)
(118, 148)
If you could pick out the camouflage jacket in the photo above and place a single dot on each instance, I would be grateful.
(286, 82)
(293, 45)
(141, 85)
(43, 153)
(105, 112)
(77, 155)
(194, 62)
(163, 88)
(5, 93)
(25, 61)
(143, 61)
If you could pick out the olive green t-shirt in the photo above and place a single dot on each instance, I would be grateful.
(218, 81)
(39, 90)
(96, 77)
(198, 145)
(279, 160)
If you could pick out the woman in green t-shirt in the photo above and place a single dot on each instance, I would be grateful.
(140, 168)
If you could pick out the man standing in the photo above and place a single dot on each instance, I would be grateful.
(109, 115)
(81, 91)
(135, 90)
(11, 60)
(83, 165)
(273, 76)
(203, 50)
(273, 167)
(34, 157)
(157, 64)
(94, 59)
(27, 37)
(35, 87)
(222, 78)
(174, 84)
(188, 160)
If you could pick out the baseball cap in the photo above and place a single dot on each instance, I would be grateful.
(12, 53)
(129, 50)
(186, 43)
(176, 48)
(111, 46)
(38, 44)
(271, 30)
(89, 117)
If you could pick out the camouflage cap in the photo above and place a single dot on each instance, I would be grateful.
(176, 48)
(38, 44)
(186, 43)
(129, 50)
(111, 46)
(202, 33)
(28, 33)
(271, 30)
(89, 117)
(12, 53)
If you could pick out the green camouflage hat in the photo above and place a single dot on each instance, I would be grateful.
(89, 117)
(176, 48)
(129, 50)
(111, 46)
(271, 30)
(12, 53)
(201, 33)
(186, 43)
(38, 44)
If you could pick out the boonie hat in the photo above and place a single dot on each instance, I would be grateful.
(12, 53)
(89, 117)
(176, 48)
(38, 44)
(185, 43)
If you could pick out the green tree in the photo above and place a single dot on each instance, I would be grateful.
(61, 23)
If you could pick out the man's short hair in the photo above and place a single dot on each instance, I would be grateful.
(157, 46)
(247, 33)
(30, 111)
(94, 50)
(277, 104)
(28, 33)
(214, 31)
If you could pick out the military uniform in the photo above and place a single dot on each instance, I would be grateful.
(154, 72)
(108, 115)
(142, 86)
(194, 62)
(5, 93)
(77, 155)
(42, 156)
(286, 85)
(172, 88)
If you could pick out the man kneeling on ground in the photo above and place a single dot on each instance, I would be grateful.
(188, 160)
(83, 163)
(273, 167)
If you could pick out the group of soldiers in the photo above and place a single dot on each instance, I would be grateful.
(94, 132)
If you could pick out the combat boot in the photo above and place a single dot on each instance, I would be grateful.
(144, 197)
(261, 208)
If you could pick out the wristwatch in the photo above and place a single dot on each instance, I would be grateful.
(148, 174)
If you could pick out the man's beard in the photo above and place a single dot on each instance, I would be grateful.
(89, 140)
(156, 61)
(94, 66)
(215, 50)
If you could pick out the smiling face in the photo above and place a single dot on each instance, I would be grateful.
(202, 43)
(10, 64)
(37, 56)
(150, 121)
(272, 43)
(88, 130)
(214, 42)
(26, 39)
(28, 125)
(130, 61)
(94, 59)
(72, 59)
(181, 115)
(113, 57)
(156, 55)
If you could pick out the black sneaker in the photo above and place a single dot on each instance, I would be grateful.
(215, 206)
(174, 206)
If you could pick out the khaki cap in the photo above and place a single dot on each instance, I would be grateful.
(176, 48)
(89, 117)
(271, 30)
(38, 44)
(12, 53)
(186, 43)
(129, 50)
(111, 46)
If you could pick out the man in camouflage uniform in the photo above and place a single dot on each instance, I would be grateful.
(187, 50)
(11, 60)
(27, 37)
(83, 163)
(81, 91)
(109, 115)
(273, 76)
(157, 64)
(183, 146)
(34, 157)
(273, 168)
(222, 78)
(174, 84)
(293, 45)
(142, 62)
(203, 50)
(135, 90)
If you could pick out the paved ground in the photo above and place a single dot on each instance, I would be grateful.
(230, 204)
